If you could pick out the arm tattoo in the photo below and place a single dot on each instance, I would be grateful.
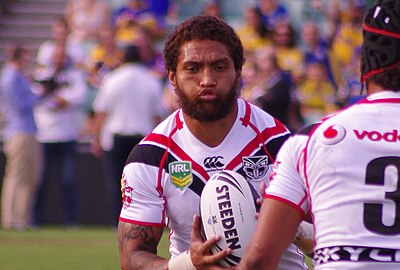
(138, 246)
(145, 235)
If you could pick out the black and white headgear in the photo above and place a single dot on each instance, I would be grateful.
(381, 34)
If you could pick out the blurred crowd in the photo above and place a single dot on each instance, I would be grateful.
(302, 73)
(296, 72)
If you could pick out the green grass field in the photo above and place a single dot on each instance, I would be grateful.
(50, 248)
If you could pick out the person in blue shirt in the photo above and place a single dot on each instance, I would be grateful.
(272, 12)
(22, 151)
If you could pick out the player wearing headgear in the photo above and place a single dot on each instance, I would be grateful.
(344, 170)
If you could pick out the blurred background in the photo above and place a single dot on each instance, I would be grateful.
(305, 50)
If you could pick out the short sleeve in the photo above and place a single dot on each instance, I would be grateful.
(287, 184)
(142, 203)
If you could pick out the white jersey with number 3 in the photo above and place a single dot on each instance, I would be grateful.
(345, 171)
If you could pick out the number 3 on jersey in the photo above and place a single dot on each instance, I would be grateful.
(373, 212)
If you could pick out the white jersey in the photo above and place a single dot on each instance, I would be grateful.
(345, 172)
(166, 172)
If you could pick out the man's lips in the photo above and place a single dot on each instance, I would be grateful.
(208, 94)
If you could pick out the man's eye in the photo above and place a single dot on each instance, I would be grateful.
(220, 67)
(191, 69)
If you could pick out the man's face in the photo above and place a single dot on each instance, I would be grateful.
(205, 80)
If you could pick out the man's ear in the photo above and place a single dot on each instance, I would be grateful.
(172, 78)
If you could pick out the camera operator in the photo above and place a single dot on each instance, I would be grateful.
(59, 118)
(50, 80)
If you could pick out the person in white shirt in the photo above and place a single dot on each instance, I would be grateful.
(127, 108)
(344, 170)
(59, 118)
(60, 31)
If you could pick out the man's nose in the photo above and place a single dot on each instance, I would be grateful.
(208, 78)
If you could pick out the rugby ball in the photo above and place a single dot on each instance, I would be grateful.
(228, 208)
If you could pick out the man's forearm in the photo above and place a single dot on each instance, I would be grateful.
(144, 260)
(138, 247)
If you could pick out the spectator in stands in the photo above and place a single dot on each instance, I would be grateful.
(350, 89)
(60, 33)
(160, 9)
(59, 116)
(135, 15)
(347, 47)
(315, 48)
(127, 107)
(22, 151)
(212, 8)
(104, 56)
(253, 33)
(321, 12)
(149, 54)
(317, 95)
(289, 55)
(272, 12)
(249, 77)
(85, 18)
(274, 87)
(348, 36)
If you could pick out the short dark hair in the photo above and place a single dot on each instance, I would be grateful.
(132, 54)
(388, 79)
(15, 52)
(202, 27)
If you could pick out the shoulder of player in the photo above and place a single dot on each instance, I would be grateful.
(152, 148)
(298, 139)
(147, 154)
(307, 130)
(272, 132)
(337, 118)
(258, 117)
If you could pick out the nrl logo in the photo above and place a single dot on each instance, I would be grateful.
(255, 167)
(181, 174)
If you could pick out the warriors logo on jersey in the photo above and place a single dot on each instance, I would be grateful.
(181, 174)
(255, 167)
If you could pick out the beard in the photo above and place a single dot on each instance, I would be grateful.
(205, 110)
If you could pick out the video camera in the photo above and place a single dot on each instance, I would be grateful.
(50, 80)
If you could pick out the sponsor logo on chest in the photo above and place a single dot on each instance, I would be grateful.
(213, 163)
